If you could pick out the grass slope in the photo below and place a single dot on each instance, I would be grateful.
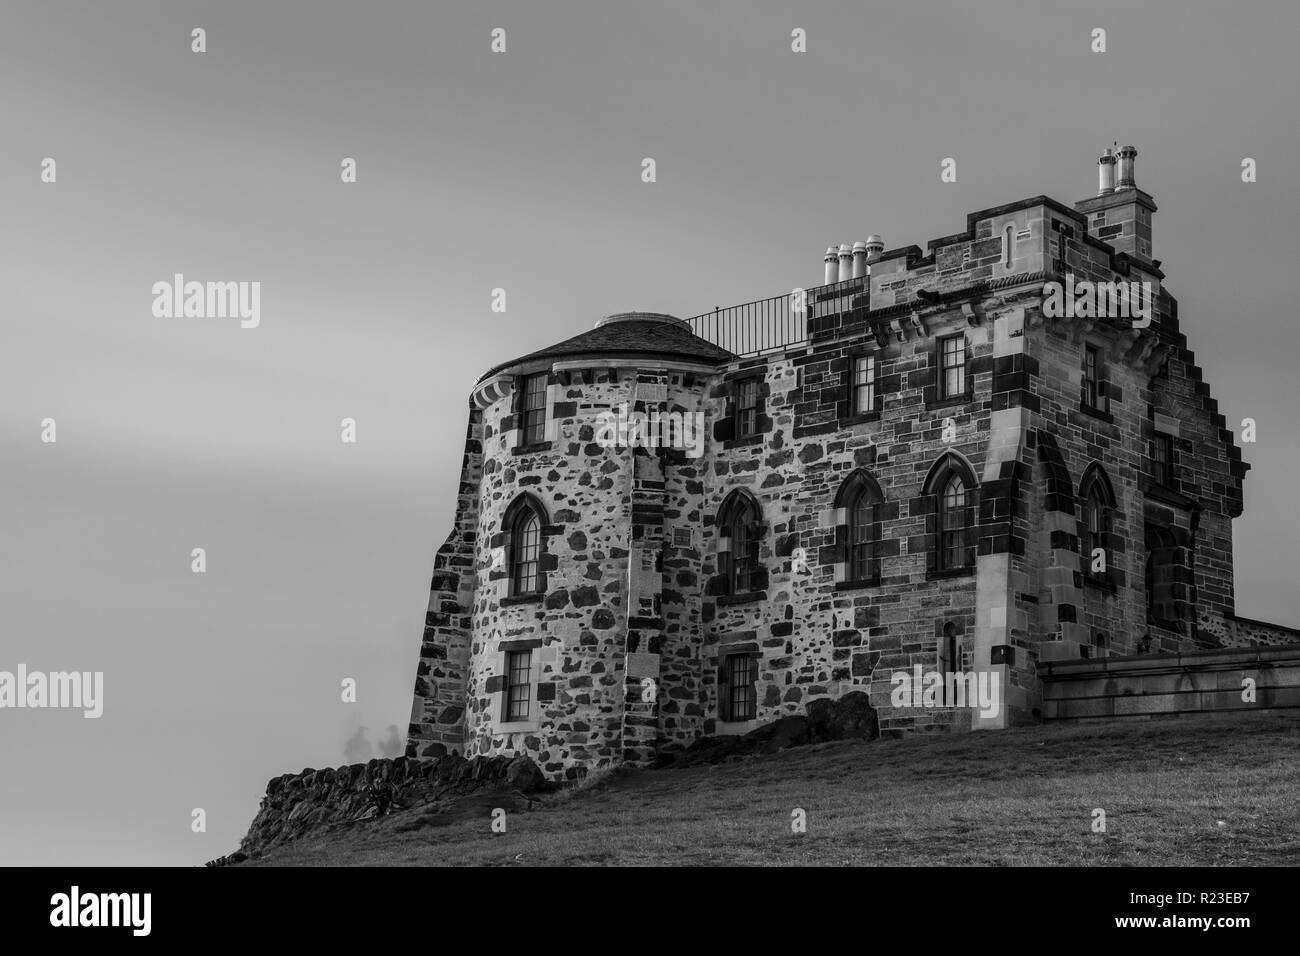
(1212, 790)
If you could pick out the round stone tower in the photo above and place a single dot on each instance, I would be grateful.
(557, 597)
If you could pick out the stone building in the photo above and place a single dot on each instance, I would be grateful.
(918, 464)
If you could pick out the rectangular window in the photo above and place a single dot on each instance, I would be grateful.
(864, 384)
(741, 701)
(953, 544)
(952, 366)
(519, 685)
(1162, 459)
(1063, 232)
(534, 409)
(1094, 374)
(527, 546)
(747, 408)
(949, 663)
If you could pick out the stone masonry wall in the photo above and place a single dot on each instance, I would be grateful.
(437, 713)
(636, 620)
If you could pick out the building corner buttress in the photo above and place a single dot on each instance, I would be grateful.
(437, 725)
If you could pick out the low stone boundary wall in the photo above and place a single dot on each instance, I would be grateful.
(1243, 632)
(313, 800)
(1171, 683)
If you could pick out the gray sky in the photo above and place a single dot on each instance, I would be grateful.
(477, 171)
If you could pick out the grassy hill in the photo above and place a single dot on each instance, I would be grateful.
(1212, 789)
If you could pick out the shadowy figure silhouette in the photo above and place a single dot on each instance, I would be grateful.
(357, 749)
(393, 745)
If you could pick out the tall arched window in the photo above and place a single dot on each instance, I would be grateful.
(954, 518)
(858, 535)
(951, 488)
(523, 526)
(738, 524)
(1162, 574)
(1096, 523)
(861, 517)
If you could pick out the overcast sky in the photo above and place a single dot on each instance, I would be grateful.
(522, 171)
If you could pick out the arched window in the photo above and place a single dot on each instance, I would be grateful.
(523, 526)
(1162, 575)
(862, 515)
(954, 517)
(859, 499)
(738, 526)
(1095, 527)
(951, 487)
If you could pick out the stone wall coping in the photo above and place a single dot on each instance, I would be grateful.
(1215, 659)
(648, 364)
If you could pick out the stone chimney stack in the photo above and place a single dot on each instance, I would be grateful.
(859, 259)
(1124, 175)
(1120, 216)
(831, 259)
(1106, 173)
(846, 263)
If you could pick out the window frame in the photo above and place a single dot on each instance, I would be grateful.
(948, 661)
(526, 536)
(1095, 397)
(532, 409)
(861, 538)
(747, 414)
(952, 527)
(1098, 508)
(742, 693)
(521, 574)
(513, 683)
(1162, 466)
(1096, 525)
(744, 553)
(863, 381)
(741, 573)
(959, 366)
(953, 539)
